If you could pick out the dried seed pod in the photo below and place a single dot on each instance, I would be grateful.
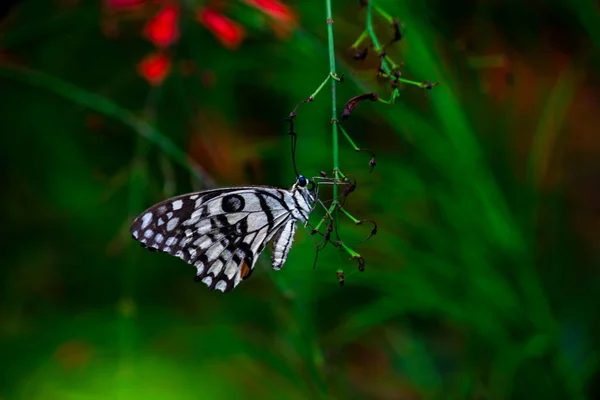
(353, 102)
(360, 54)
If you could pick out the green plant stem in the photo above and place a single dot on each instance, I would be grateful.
(334, 125)
(360, 39)
(348, 250)
(377, 44)
(382, 12)
(331, 209)
(374, 39)
(354, 146)
(350, 216)
(320, 87)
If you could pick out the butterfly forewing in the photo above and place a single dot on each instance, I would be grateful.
(222, 232)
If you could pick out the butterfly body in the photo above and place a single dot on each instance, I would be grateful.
(223, 231)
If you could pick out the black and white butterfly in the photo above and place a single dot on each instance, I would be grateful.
(222, 232)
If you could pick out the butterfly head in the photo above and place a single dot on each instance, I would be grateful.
(306, 187)
(302, 181)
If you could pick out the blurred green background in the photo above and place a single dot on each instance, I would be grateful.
(482, 282)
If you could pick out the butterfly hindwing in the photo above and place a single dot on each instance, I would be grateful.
(282, 243)
(221, 232)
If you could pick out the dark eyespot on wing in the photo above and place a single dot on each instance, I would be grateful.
(233, 203)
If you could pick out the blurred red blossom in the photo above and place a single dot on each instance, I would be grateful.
(283, 19)
(276, 10)
(162, 29)
(229, 33)
(154, 68)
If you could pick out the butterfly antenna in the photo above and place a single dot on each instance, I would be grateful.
(293, 147)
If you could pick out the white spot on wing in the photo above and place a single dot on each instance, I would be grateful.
(159, 238)
(194, 197)
(170, 241)
(207, 280)
(256, 221)
(232, 219)
(215, 251)
(172, 224)
(177, 204)
(215, 208)
(204, 226)
(135, 234)
(230, 269)
(169, 215)
(221, 285)
(146, 220)
(160, 222)
(196, 213)
(216, 268)
(148, 233)
(202, 242)
(192, 220)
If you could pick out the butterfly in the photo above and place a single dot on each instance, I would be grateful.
(222, 232)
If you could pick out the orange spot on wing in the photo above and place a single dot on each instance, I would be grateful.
(244, 270)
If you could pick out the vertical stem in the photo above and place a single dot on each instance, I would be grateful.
(370, 25)
(334, 126)
(373, 36)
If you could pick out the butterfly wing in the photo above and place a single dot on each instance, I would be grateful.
(282, 243)
(221, 232)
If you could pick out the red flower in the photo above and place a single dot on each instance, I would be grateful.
(275, 10)
(162, 28)
(229, 33)
(154, 68)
